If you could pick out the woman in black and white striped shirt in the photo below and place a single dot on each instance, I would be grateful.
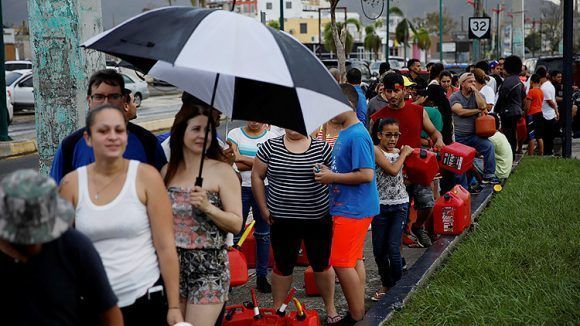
(297, 209)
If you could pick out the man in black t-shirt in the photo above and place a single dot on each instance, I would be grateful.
(49, 274)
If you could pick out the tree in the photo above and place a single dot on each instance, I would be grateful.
(402, 33)
(196, 3)
(275, 24)
(431, 23)
(372, 41)
(423, 40)
(328, 39)
(552, 25)
(533, 42)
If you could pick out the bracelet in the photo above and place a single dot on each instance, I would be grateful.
(173, 308)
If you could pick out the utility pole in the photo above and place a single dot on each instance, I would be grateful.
(3, 109)
(518, 28)
(61, 67)
(441, 31)
(567, 74)
(497, 29)
(281, 15)
(387, 50)
(477, 43)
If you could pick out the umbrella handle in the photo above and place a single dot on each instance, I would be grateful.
(199, 179)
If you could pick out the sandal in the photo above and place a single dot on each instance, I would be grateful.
(378, 295)
(334, 320)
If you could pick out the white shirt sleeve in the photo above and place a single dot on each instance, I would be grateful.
(489, 95)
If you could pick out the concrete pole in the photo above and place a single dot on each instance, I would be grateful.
(4, 116)
(387, 50)
(518, 28)
(568, 39)
(440, 31)
(61, 67)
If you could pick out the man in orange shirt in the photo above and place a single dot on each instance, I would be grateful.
(535, 122)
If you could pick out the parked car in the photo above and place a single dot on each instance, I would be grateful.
(554, 63)
(456, 68)
(9, 107)
(17, 65)
(137, 87)
(360, 65)
(21, 91)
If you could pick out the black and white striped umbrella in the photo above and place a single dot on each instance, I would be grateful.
(263, 74)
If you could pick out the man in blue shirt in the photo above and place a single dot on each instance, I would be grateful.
(107, 86)
(354, 200)
(354, 77)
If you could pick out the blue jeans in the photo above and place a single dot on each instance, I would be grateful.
(484, 147)
(261, 231)
(387, 230)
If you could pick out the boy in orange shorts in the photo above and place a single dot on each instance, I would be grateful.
(354, 200)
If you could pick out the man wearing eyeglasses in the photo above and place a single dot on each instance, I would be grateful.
(412, 120)
(107, 87)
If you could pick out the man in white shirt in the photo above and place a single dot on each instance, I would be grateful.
(549, 110)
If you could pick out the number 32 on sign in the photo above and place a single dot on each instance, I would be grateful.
(479, 27)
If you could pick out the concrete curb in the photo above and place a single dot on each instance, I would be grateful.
(23, 147)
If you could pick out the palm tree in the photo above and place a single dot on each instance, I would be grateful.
(402, 34)
(423, 40)
(372, 41)
(195, 3)
(329, 42)
(328, 39)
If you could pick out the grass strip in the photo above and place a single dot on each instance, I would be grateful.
(521, 264)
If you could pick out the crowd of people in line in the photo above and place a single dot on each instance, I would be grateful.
(128, 237)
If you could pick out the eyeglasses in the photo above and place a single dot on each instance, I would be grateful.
(110, 97)
(391, 134)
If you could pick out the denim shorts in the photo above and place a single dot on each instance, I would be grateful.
(423, 196)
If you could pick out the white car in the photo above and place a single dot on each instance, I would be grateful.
(17, 65)
(9, 107)
(20, 89)
(139, 88)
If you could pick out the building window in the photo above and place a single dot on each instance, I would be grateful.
(303, 28)
(268, 6)
(288, 5)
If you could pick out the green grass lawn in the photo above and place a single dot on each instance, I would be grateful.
(521, 265)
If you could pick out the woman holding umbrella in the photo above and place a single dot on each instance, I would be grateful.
(202, 216)
(122, 208)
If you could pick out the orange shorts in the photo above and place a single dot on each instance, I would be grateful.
(348, 239)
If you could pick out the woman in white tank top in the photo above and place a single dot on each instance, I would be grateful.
(123, 208)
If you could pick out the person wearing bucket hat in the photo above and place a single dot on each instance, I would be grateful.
(43, 278)
(122, 207)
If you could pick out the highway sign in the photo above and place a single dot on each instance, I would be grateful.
(479, 27)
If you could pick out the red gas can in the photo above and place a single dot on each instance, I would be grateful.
(302, 257)
(303, 318)
(462, 193)
(421, 167)
(248, 248)
(485, 126)
(522, 129)
(448, 214)
(457, 158)
(238, 268)
(310, 282)
(239, 315)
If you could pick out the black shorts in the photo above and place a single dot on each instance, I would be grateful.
(538, 125)
(286, 236)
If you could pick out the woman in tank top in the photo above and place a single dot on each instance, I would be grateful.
(202, 217)
(122, 207)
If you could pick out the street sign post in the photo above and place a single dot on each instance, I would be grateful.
(479, 28)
